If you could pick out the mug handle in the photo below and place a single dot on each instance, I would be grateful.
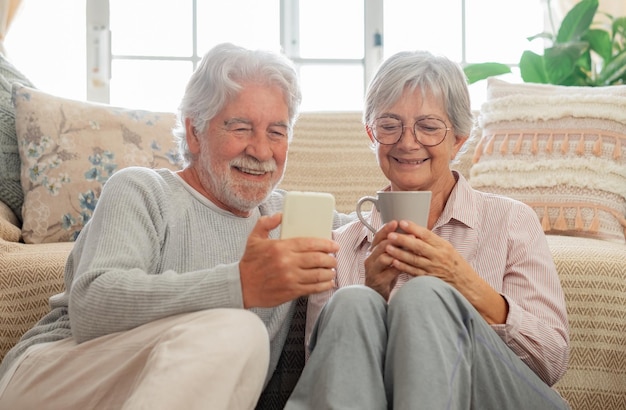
(360, 202)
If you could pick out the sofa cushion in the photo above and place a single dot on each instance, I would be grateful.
(559, 149)
(29, 276)
(68, 150)
(10, 188)
(593, 275)
(9, 225)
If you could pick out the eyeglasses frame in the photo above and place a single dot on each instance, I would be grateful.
(446, 128)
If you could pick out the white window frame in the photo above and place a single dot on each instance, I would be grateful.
(99, 55)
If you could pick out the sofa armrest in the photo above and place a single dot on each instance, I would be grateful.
(29, 275)
(10, 229)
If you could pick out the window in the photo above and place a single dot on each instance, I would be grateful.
(326, 40)
(46, 42)
(150, 47)
(152, 58)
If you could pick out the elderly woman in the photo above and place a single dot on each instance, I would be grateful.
(467, 312)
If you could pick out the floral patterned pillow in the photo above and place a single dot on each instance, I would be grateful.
(68, 149)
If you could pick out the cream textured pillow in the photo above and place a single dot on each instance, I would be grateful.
(559, 149)
(68, 149)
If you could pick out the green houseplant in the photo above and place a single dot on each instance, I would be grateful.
(582, 52)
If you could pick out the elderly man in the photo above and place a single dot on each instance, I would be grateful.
(177, 293)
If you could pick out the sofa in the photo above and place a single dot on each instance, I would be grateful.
(55, 154)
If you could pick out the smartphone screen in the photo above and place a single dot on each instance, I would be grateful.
(307, 214)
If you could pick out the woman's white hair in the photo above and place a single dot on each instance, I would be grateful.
(437, 75)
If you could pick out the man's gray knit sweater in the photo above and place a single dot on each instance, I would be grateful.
(153, 248)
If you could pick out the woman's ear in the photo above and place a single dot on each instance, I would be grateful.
(459, 140)
(370, 134)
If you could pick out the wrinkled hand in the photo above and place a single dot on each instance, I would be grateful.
(380, 275)
(275, 271)
(421, 252)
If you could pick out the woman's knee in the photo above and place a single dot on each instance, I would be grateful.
(352, 312)
(355, 298)
(422, 292)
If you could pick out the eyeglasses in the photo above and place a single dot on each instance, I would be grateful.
(428, 131)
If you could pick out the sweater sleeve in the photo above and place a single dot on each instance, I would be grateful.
(128, 267)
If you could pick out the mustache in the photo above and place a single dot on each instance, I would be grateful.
(247, 162)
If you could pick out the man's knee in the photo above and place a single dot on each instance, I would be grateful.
(245, 328)
(249, 327)
(235, 329)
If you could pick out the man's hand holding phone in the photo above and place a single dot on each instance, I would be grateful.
(273, 272)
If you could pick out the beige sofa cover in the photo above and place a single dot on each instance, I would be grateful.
(330, 153)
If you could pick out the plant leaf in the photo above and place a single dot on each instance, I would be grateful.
(584, 64)
(560, 60)
(577, 21)
(580, 55)
(619, 27)
(544, 35)
(477, 72)
(614, 71)
(600, 42)
(532, 68)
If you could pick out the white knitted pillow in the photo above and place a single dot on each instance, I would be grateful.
(559, 149)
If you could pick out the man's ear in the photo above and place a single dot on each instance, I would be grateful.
(192, 137)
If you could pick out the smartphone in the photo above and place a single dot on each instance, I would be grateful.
(307, 214)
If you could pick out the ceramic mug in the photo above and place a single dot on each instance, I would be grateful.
(398, 205)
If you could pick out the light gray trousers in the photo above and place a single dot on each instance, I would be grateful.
(428, 349)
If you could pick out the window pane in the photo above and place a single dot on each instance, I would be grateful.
(332, 87)
(46, 42)
(149, 85)
(331, 29)
(248, 23)
(497, 30)
(419, 25)
(151, 27)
